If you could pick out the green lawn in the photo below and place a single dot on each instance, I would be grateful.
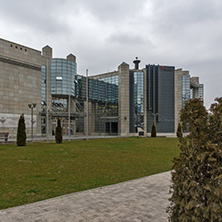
(42, 170)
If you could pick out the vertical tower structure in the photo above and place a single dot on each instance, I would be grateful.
(124, 97)
(160, 98)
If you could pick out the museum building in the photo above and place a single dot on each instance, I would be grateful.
(125, 102)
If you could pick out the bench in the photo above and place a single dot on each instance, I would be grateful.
(4, 136)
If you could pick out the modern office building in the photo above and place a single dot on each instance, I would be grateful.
(124, 102)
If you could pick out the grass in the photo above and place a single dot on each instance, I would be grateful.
(43, 170)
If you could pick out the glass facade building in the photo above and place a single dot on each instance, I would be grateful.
(104, 100)
(103, 95)
(160, 98)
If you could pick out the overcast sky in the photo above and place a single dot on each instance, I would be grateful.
(103, 33)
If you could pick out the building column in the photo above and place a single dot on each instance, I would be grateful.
(178, 95)
(124, 109)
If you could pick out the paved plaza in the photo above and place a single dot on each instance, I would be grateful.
(143, 199)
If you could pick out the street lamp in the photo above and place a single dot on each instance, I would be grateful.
(32, 106)
(87, 106)
(69, 103)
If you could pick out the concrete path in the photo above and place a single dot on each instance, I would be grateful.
(143, 199)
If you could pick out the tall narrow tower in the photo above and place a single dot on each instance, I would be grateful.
(136, 62)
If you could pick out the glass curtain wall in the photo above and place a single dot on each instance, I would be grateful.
(138, 100)
(63, 74)
(80, 86)
(186, 92)
(80, 119)
(201, 91)
(59, 105)
(104, 92)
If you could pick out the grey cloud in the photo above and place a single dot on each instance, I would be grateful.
(104, 33)
(115, 10)
(52, 16)
(39, 15)
(191, 29)
(184, 13)
(127, 39)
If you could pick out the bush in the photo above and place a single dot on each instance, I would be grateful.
(197, 172)
(58, 135)
(21, 131)
(153, 131)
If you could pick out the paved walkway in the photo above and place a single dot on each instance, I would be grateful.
(143, 199)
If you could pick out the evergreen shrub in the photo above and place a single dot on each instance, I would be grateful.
(179, 131)
(197, 171)
(21, 131)
(153, 131)
(58, 135)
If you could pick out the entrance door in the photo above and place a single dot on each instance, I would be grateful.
(114, 127)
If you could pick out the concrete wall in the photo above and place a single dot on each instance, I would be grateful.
(20, 84)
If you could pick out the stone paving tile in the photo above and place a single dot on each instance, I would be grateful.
(140, 200)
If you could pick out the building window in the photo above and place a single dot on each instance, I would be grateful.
(59, 78)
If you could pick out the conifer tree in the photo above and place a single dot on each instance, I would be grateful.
(21, 131)
(215, 128)
(153, 131)
(58, 135)
(197, 172)
(179, 131)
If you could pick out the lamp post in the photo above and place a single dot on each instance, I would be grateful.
(47, 100)
(69, 71)
(32, 106)
(87, 106)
